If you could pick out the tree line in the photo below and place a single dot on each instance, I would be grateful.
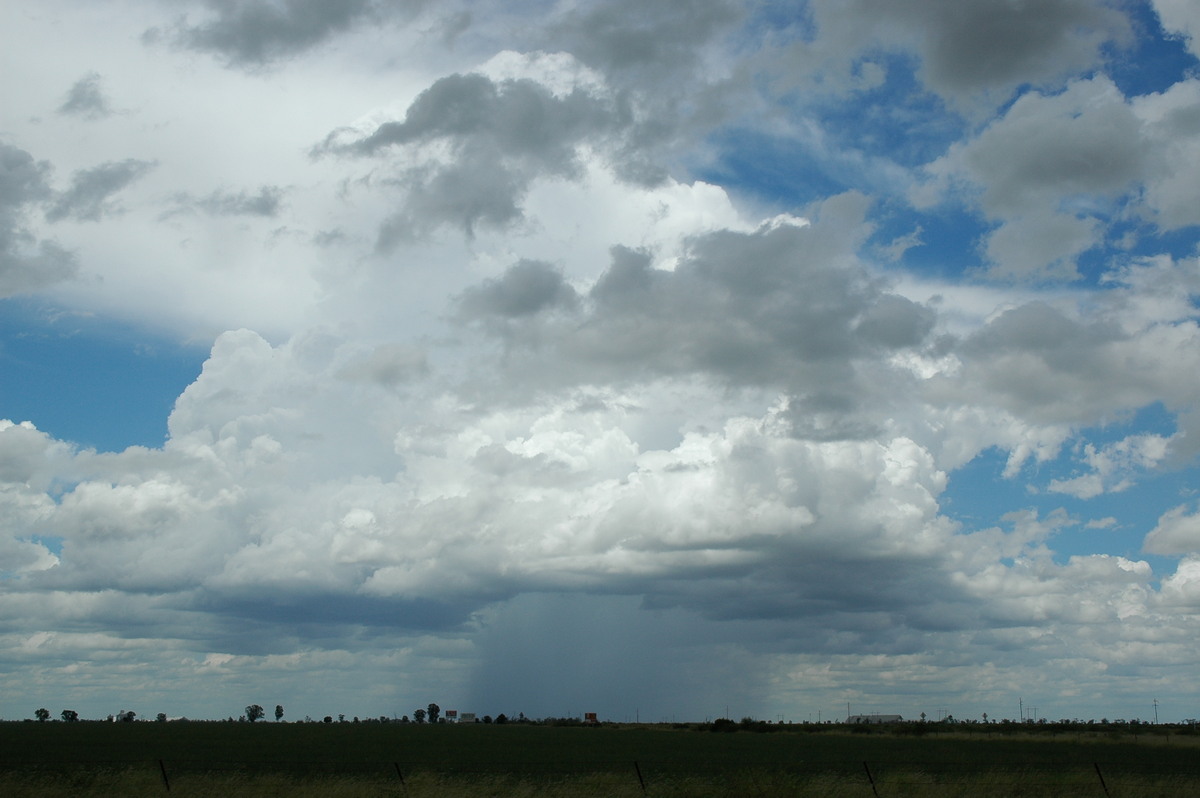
(255, 712)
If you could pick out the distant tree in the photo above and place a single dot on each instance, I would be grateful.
(126, 716)
(419, 715)
(434, 712)
(254, 712)
(42, 714)
(162, 717)
(70, 716)
(341, 718)
(328, 719)
(502, 718)
(278, 712)
(487, 718)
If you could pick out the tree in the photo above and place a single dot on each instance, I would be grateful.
(162, 717)
(278, 712)
(70, 716)
(419, 715)
(434, 712)
(42, 714)
(502, 718)
(254, 712)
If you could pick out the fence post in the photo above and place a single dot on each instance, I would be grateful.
(1103, 786)
(641, 781)
(163, 769)
(871, 779)
(401, 775)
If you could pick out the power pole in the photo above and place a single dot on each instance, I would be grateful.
(1156, 712)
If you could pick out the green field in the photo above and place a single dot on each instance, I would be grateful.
(353, 759)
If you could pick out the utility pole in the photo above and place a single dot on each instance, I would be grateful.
(1156, 712)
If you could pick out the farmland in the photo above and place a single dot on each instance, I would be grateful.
(353, 759)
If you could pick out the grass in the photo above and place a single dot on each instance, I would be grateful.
(770, 784)
(297, 760)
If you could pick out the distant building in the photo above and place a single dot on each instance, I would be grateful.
(874, 719)
(590, 717)
(452, 716)
(466, 717)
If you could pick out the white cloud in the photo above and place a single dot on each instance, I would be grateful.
(1177, 532)
(1172, 132)
(1181, 17)
(1114, 466)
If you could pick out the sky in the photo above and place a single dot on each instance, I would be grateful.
(667, 361)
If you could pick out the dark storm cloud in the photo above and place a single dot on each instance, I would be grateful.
(1000, 43)
(85, 99)
(25, 263)
(969, 48)
(656, 41)
(1042, 364)
(388, 365)
(502, 135)
(265, 203)
(520, 118)
(256, 32)
(87, 198)
(526, 289)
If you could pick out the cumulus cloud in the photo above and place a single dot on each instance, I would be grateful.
(572, 371)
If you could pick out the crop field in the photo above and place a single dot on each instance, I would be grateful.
(392, 759)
